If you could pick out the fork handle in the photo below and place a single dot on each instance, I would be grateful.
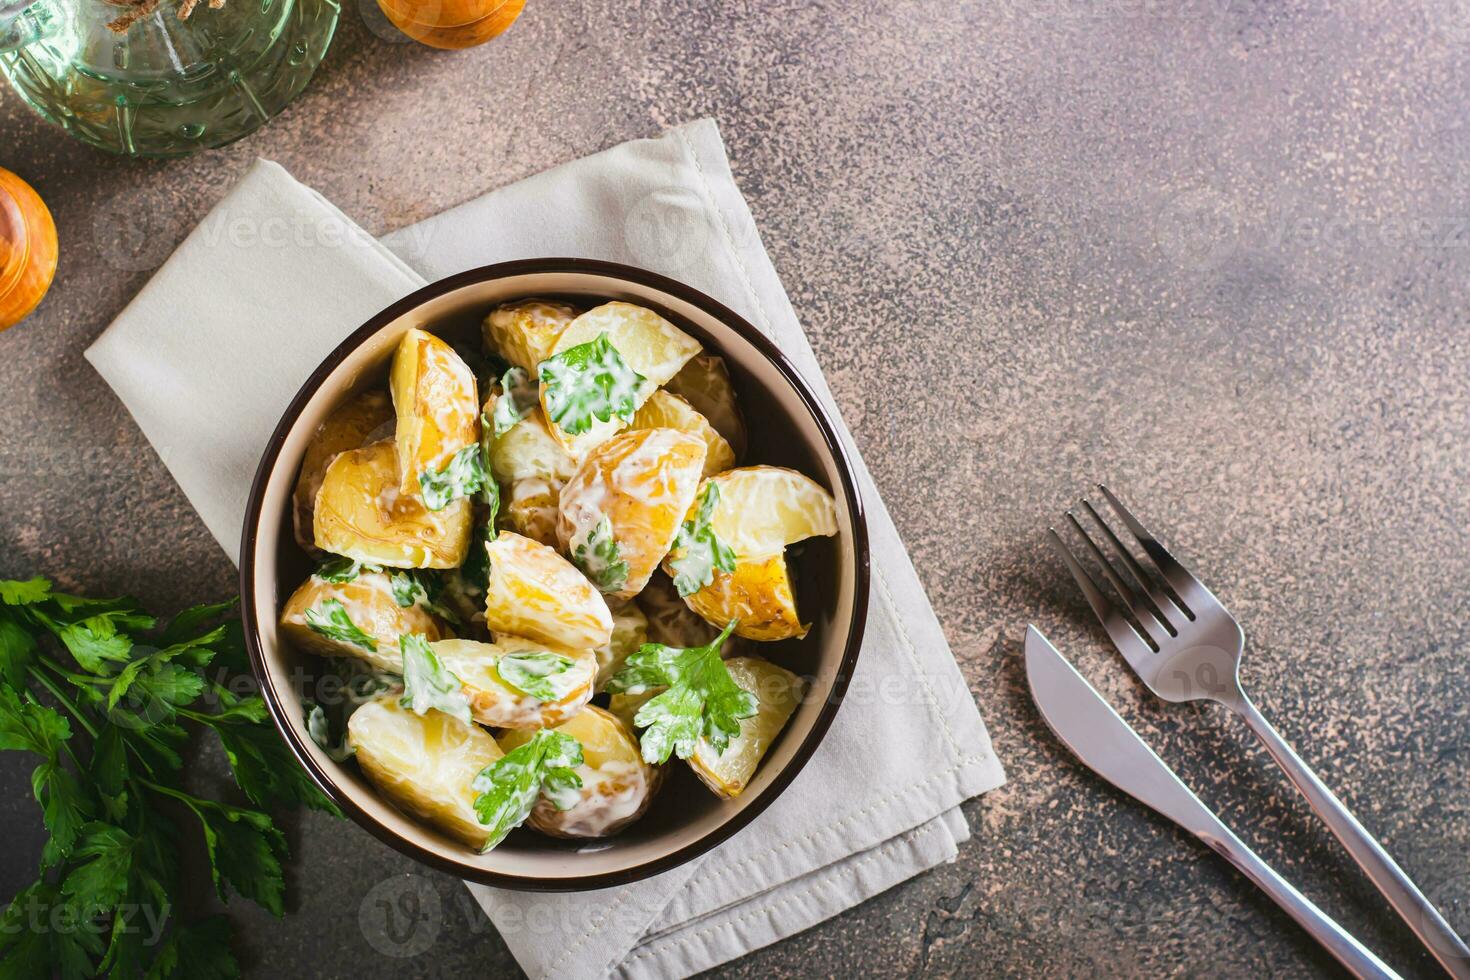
(1422, 917)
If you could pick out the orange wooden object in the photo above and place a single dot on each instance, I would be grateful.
(27, 249)
(452, 23)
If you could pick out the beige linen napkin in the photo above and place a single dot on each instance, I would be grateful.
(236, 320)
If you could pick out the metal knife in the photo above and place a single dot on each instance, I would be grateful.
(1106, 744)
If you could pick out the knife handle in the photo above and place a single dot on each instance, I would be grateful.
(1358, 959)
(1397, 887)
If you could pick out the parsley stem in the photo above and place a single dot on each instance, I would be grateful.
(66, 702)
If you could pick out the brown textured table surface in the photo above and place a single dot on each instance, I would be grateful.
(1215, 252)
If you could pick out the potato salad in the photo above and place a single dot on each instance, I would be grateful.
(546, 571)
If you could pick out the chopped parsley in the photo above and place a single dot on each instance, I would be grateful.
(463, 476)
(702, 700)
(700, 551)
(509, 786)
(531, 672)
(414, 586)
(427, 683)
(330, 619)
(517, 400)
(600, 558)
(589, 382)
(339, 570)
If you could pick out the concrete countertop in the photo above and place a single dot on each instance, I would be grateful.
(1214, 252)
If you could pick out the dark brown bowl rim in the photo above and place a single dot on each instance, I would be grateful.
(859, 544)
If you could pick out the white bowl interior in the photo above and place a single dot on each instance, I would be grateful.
(782, 431)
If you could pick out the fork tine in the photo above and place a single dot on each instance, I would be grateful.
(1130, 644)
(1177, 579)
(1142, 607)
(1151, 593)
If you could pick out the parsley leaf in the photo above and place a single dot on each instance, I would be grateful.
(319, 727)
(702, 700)
(339, 570)
(427, 683)
(517, 400)
(463, 476)
(245, 850)
(420, 586)
(17, 649)
(99, 882)
(27, 593)
(330, 619)
(198, 951)
(700, 551)
(586, 382)
(600, 558)
(509, 786)
(531, 672)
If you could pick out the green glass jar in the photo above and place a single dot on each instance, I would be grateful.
(165, 86)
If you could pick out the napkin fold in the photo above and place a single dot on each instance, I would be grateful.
(212, 349)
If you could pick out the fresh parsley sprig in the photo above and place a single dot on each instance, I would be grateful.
(532, 672)
(427, 683)
(600, 558)
(702, 700)
(589, 382)
(330, 619)
(128, 695)
(699, 550)
(509, 787)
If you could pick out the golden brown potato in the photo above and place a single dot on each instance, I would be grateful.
(536, 593)
(424, 764)
(361, 514)
(368, 603)
(617, 785)
(438, 411)
(499, 704)
(778, 692)
(353, 424)
(666, 411)
(620, 511)
(758, 593)
(524, 332)
(704, 383)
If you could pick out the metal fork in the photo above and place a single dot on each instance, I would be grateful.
(1185, 646)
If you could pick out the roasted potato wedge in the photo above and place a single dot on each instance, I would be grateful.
(619, 512)
(758, 593)
(361, 419)
(424, 764)
(778, 691)
(496, 703)
(762, 509)
(368, 603)
(437, 408)
(362, 514)
(666, 411)
(525, 332)
(630, 631)
(704, 382)
(647, 343)
(536, 593)
(617, 785)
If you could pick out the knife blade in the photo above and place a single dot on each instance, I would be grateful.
(1089, 727)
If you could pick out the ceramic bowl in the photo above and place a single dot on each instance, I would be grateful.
(788, 427)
